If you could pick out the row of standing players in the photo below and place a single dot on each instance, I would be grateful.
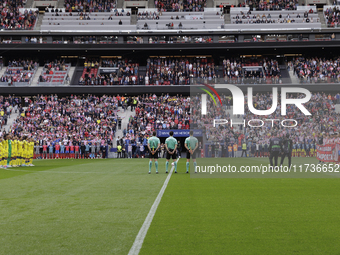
(191, 144)
(16, 151)
(277, 147)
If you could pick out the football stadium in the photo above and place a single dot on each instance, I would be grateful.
(169, 127)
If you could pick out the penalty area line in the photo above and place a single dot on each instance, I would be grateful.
(137, 245)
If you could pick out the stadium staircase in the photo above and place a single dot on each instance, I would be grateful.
(29, 4)
(337, 108)
(36, 77)
(322, 19)
(151, 4)
(11, 119)
(125, 119)
(293, 77)
(133, 20)
(227, 19)
(71, 73)
(39, 22)
(120, 4)
(2, 71)
(77, 73)
(285, 76)
(61, 4)
(210, 4)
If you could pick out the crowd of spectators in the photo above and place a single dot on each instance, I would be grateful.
(159, 112)
(251, 71)
(147, 15)
(324, 121)
(54, 70)
(316, 70)
(180, 6)
(90, 6)
(261, 5)
(19, 71)
(124, 72)
(81, 120)
(332, 16)
(69, 120)
(178, 71)
(253, 18)
(12, 19)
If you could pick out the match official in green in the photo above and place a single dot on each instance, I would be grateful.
(171, 146)
(153, 145)
(191, 144)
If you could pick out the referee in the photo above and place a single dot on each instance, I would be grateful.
(153, 145)
(191, 144)
(274, 149)
(171, 146)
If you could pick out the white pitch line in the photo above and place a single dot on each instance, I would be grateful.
(137, 245)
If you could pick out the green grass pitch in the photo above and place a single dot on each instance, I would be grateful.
(98, 207)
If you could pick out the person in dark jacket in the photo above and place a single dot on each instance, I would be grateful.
(275, 145)
(287, 147)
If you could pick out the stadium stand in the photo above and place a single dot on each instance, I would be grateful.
(178, 71)
(54, 73)
(251, 71)
(119, 20)
(110, 72)
(90, 6)
(321, 105)
(160, 112)
(14, 17)
(317, 70)
(272, 5)
(69, 119)
(191, 20)
(331, 15)
(281, 19)
(19, 73)
(180, 6)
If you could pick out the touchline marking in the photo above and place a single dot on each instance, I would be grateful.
(137, 245)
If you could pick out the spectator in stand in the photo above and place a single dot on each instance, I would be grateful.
(179, 71)
(235, 71)
(12, 19)
(125, 73)
(69, 120)
(176, 5)
(317, 70)
(260, 5)
(19, 71)
(332, 16)
(90, 6)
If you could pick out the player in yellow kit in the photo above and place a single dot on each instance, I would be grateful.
(14, 152)
(24, 152)
(20, 151)
(31, 151)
